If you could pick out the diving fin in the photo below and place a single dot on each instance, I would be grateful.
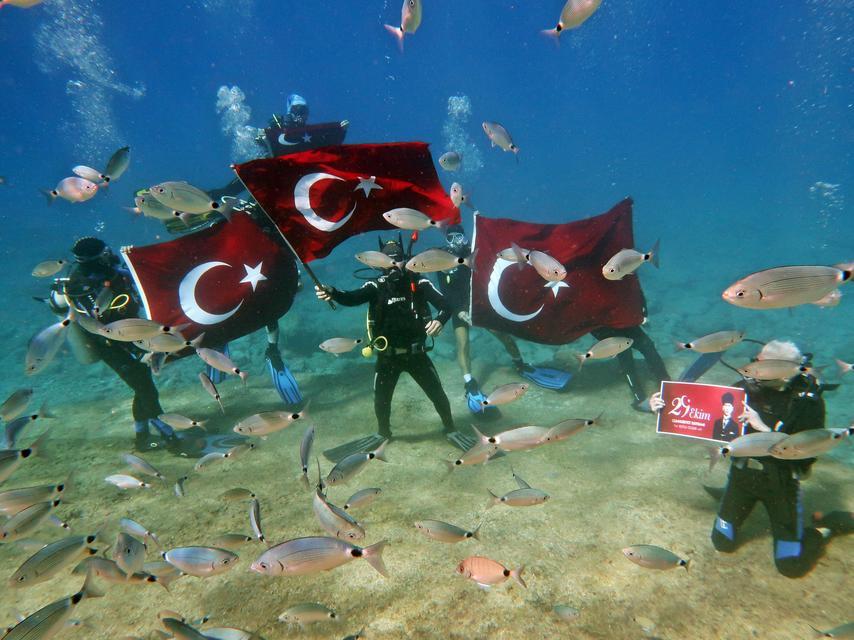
(283, 380)
(362, 445)
(702, 364)
(553, 379)
(465, 441)
(475, 399)
(216, 375)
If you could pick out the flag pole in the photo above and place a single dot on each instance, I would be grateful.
(308, 269)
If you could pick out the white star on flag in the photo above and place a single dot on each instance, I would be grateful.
(306, 138)
(253, 275)
(367, 185)
(555, 286)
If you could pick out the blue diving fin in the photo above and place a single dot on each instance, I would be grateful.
(216, 375)
(283, 380)
(702, 364)
(553, 379)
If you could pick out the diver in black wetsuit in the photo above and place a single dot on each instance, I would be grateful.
(400, 321)
(98, 287)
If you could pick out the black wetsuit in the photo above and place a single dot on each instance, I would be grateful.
(82, 288)
(643, 343)
(775, 483)
(455, 285)
(399, 312)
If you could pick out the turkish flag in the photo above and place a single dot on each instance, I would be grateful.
(226, 281)
(518, 301)
(321, 197)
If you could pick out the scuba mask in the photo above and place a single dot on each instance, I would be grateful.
(456, 240)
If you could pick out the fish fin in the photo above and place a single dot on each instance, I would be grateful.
(48, 194)
(680, 346)
(522, 484)
(483, 439)
(715, 454)
(196, 342)
(476, 533)
(90, 589)
(226, 210)
(653, 253)
(450, 465)
(45, 412)
(398, 34)
(493, 499)
(379, 452)
(581, 358)
(844, 367)
(553, 35)
(184, 216)
(134, 210)
(516, 574)
(374, 556)
(469, 260)
(687, 564)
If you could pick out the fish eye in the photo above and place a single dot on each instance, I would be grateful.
(740, 293)
(21, 578)
(263, 565)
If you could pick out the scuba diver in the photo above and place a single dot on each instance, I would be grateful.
(295, 116)
(455, 285)
(788, 406)
(399, 321)
(98, 287)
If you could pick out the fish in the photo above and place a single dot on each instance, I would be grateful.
(842, 631)
(129, 553)
(458, 196)
(359, 635)
(752, 444)
(210, 387)
(500, 137)
(168, 343)
(714, 342)
(116, 165)
(138, 464)
(181, 423)
(74, 189)
(149, 206)
(514, 254)
(228, 633)
(333, 520)
(123, 481)
(505, 394)
(87, 173)
(378, 260)
(450, 161)
(15, 500)
(809, 443)
(768, 369)
(832, 299)
(433, 260)
(221, 362)
(651, 557)
(232, 540)
(307, 613)
(480, 453)
(10, 459)
(109, 571)
(524, 496)
(236, 494)
(305, 451)
(52, 559)
(521, 438)
(180, 196)
(790, 286)
(181, 630)
(604, 349)
(179, 489)
(48, 621)
(14, 427)
(44, 346)
(28, 520)
(412, 220)
(568, 428)
(267, 422)
(410, 20)
(202, 562)
(546, 266)
(487, 573)
(15, 404)
(48, 268)
(134, 329)
(362, 498)
(133, 528)
(313, 554)
(565, 612)
(844, 367)
(446, 532)
(347, 468)
(340, 345)
(208, 460)
(255, 519)
(573, 15)
(627, 261)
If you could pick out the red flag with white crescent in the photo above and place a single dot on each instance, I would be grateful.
(226, 281)
(517, 300)
(321, 197)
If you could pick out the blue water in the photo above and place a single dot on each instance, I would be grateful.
(730, 124)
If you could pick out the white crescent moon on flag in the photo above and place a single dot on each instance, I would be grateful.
(495, 300)
(302, 202)
(187, 296)
(284, 141)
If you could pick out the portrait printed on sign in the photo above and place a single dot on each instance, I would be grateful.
(703, 411)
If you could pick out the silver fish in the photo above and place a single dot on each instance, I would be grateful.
(51, 559)
(228, 633)
(129, 553)
(336, 522)
(44, 346)
(549, 268)
(450, 161)
(842, 631)
(210, 387)
(411, 219)
(232, 540)
(15, 404)
(109, 571)
(524, 496)
(307, 613)
(208, 460)
(458, 196)
(15, 500)
(480, 453)
(604, 349)
(137, 463)
(651, 557)
(123, 481)
(149, 206)
(487, 573)
(267, 422)
(844, 367)
(782, 287)
(180, 196)
(48, 621)
(303, 556)
(433, 260)
(362, 498)
(135, 329)
(410, 20)
(809, 443)
(446, 532)
(181, 423)
(627, 261)
(752, 444)
(14, 428)
(48, 268)
(11, 459)
(74, 189)
(179, 489)
(221, 362)
(565, 612)
(87, 173)
(168, 343)
(377, 260)
(255, 519)
(201, 562)
(181, 630)
(305, 450)
(568, 428)
(237, 494)
(28, 520)
(116, 165)
(521, 438)
(506, 394)
(347, 468)
(499, 137)
(238, 450)
(768, 369)
(573, 15)
(135, 529)
(714, 342)
(340, 345)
